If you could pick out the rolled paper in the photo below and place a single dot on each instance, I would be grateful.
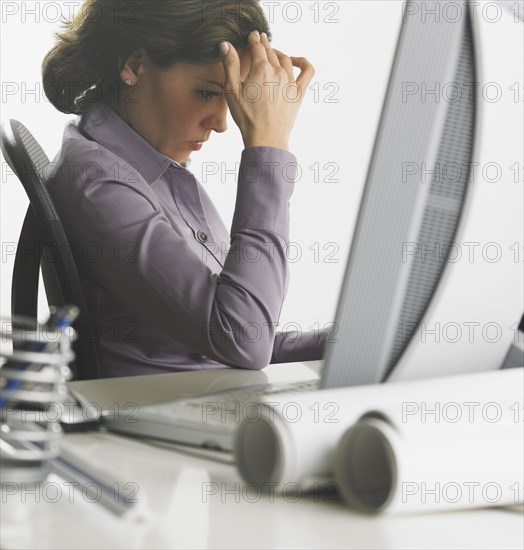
(292, 438)
(383, 465)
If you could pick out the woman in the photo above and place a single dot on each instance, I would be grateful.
(168, 287)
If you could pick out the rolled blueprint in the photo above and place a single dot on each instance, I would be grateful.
(414, 467)
(294, 436)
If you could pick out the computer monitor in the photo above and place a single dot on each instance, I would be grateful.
(415, 210)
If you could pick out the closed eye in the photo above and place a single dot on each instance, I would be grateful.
(208, 96)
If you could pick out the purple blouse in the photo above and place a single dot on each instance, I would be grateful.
(167, 287)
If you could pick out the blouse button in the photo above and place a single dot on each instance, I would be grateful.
(202, 237)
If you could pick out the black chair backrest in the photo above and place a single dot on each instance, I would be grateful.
(43, 243)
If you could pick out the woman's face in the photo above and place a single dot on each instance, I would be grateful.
(174, 108)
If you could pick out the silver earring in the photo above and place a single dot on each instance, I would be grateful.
(128, 82)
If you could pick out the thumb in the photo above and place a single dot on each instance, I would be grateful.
(231, 62)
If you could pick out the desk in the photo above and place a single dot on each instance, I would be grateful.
(175, 490)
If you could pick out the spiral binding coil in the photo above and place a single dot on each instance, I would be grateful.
(32, 389)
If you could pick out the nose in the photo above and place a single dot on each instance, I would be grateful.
(217, 121)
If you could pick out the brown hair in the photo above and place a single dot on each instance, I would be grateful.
(83, 67)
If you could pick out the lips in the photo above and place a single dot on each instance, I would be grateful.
(196, 145)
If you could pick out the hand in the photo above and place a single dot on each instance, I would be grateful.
(268, 120)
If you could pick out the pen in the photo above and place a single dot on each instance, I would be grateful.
(118, 498)
(96, 486)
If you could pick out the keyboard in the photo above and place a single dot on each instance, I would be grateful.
(224, 409)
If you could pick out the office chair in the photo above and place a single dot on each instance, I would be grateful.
(43, 243)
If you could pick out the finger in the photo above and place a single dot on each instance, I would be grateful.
(271, 55)
(256, 48)
(231, 62)
(285, 63)
(307, 71)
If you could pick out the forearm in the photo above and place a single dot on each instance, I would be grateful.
(295, 346)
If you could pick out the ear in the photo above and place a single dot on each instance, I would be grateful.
(134, 65)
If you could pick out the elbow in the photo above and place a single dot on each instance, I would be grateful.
(249, 348)
(256, 363)
(254, 349)
(254, 357)
(248, 356)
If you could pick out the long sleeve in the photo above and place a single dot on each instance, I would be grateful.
(168, 287)
(229, 316)
(296, 346)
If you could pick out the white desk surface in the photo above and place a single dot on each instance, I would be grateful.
(171, 490)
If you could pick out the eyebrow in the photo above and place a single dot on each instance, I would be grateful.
(211, 82)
